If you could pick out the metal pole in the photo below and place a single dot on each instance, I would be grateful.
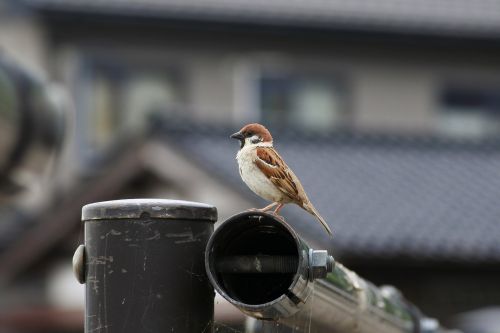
(259, 264)
(142, 263)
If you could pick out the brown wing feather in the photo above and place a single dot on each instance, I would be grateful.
(273, 166)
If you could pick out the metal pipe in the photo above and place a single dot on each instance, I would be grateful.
(143, 266)
(339, 302)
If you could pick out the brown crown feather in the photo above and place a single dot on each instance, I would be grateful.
(257, 129)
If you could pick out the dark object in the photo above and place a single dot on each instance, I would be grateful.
(258, 264)
(255, 258)
(303, 284)
(144, 266)
(33, 121)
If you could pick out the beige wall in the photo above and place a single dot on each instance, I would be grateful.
(211, 86)
(391, 94)
(389, 88)
(392, 98)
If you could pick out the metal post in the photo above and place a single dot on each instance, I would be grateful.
(260, 265)
(142, 263)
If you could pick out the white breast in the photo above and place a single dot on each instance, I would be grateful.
(254, 178)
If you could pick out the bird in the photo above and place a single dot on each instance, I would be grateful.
(264, 171)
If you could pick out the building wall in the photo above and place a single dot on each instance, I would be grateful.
(394, 97)
(391, 94)
(388, 85)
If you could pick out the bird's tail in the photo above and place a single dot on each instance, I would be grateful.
(310, 208)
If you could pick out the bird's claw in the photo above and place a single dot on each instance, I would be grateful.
(277, 215)
(268, 211)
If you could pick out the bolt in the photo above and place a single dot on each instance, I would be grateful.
(79, 264)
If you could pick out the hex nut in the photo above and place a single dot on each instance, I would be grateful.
(320, 264)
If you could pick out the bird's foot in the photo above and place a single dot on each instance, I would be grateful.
(277, 215)
(268, 209)
(262, 210)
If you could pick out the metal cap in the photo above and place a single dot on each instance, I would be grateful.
(154, 208)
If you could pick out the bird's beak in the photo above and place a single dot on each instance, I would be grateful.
(237, 136)
(240, 137)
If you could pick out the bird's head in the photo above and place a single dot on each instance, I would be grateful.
(253, 134)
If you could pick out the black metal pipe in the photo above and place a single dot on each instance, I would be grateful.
(269, 293)
(143, 266)
(340, 301)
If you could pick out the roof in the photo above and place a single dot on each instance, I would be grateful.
(436, 17)
(384, 197)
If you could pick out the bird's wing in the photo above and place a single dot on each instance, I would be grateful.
(274, 168)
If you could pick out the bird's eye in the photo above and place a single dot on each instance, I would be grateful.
(249, 133)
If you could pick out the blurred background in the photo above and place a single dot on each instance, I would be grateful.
(388, 111)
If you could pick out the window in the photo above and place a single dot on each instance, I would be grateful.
(307, 102)
(471, 112)
(123, 96)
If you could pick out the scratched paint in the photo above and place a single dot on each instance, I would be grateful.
(137, 269)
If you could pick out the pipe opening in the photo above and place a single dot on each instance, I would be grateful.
(253, 259)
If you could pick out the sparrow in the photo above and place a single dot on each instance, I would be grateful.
(264, 171)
